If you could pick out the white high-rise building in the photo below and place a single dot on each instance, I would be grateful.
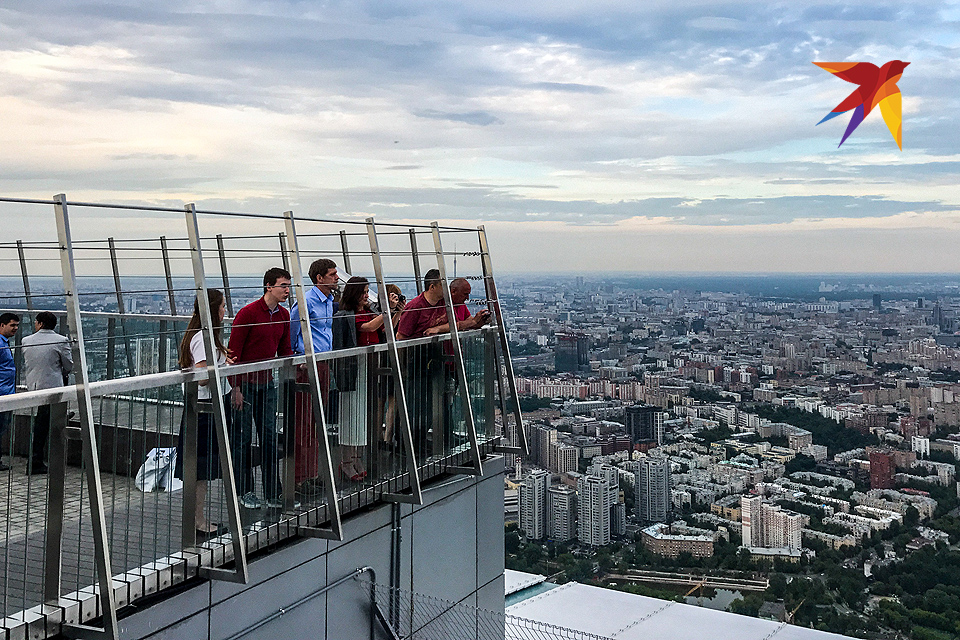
(751, 518)
(769, 526)
(562, 513)
(593, 502)
(653, 489)
(533, 504)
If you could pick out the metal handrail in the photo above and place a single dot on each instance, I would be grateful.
(100, 388)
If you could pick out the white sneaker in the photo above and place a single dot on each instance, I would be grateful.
(250, 500)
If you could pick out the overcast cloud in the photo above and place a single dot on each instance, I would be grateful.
(567, 124)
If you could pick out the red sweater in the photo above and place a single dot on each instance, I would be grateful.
(257, 335)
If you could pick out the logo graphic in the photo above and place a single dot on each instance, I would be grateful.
(878, 86)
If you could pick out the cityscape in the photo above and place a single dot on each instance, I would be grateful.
(784, 447)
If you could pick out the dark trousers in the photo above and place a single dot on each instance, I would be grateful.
(41, 434)
(260, 409)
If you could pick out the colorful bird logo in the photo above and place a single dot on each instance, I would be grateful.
(878, 86)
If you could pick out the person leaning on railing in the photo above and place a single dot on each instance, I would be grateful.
(9, 324)
(260, 331)
(193, 355)
(47, 360)
(320, 309)
(356, 324)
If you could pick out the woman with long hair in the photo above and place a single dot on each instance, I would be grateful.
(357, 324)
(193, 356)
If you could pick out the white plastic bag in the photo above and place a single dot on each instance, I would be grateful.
(156, 474)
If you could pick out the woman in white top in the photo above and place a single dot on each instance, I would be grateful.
(193, 355)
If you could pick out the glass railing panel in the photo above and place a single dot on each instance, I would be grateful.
(124, 346)
(477, 349)
(24, 506)
(430, 386)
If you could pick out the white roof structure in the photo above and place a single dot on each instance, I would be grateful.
(514, 581)
(624, 616)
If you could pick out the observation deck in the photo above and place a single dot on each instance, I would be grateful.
(82, 545)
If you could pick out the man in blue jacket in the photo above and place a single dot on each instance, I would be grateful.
(9, 323)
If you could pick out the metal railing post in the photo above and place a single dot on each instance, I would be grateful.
(223, 274)
(416, 261)
(283, 251)
(215, 384)
(493, 303)
(120, 308)
(169, 275)
(26, 279)
(98, 521)
(346, 252)
(56, 489)
(460, 370)
(416, 496)
(335, 532)
(188, 528)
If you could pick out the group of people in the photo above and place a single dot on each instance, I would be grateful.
(47, 360)
(265, 330)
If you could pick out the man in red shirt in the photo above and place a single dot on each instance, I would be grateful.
(260, 331)
(459, 294)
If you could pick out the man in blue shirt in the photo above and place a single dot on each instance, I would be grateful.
(9, 323)
(320, 310)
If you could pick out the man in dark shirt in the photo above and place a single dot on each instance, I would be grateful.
(260, 331)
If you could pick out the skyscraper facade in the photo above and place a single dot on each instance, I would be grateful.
(881, 470)
(572, 353)
(562, 513)
(533, 504)
(653, 489)
(593, 507)
(644, 423)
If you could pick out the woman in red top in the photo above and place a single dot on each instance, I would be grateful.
(356, 299)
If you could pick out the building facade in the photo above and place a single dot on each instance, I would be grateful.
(653, 489)
(533, 504)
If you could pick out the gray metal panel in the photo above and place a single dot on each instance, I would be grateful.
(263, 569)
(174, 611)
(348, 605)
(444, 546)
(490, 551)
(490, 595)
(253, 605)
(440, 491)
(196, 627)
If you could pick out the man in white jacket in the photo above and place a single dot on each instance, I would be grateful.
(47, 359)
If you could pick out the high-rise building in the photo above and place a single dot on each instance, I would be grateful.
(881, 470)
(644, 422)
(533, 504)
(593, 511)
(766, 526)
(618, 519)
(751, 518)
(563, 457)
(562, 513)
(547, 436)
(572, 353)
(876, 301)
(653, 489)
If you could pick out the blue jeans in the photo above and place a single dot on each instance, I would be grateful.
(260, 409)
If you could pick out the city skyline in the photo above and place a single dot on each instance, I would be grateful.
(662, 137)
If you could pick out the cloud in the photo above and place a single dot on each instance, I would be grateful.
(481, 118)
(679, 113)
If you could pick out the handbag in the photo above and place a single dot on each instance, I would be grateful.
(156, 473)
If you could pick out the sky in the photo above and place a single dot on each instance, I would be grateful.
(585, 136)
